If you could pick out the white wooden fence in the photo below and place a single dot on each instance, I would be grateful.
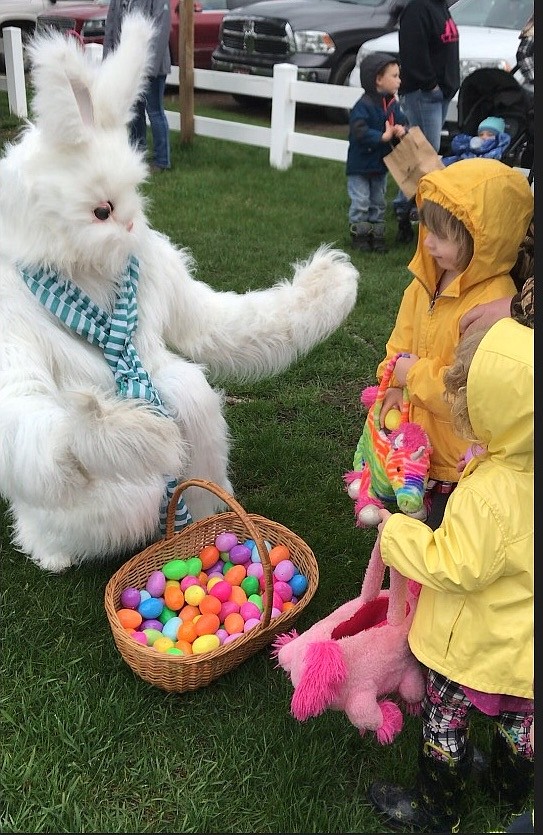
(284, 90)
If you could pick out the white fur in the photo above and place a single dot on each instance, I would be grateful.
(82, 469)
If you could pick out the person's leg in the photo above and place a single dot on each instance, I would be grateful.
(138, 128)
(358, 189)
(512, 760)
(445, 762)
(154, 102)
(377, 210)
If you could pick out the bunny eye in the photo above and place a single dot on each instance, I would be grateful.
(103, 211)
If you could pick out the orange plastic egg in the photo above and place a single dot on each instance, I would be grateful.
(129, 618)
(186, 646)
(173, 596)
(278, 553)
(209, 556)
(236, 574)
(210, 605)
(187, 632)
(188, 613)
(207, 624)
(238, 595)
(233, 623)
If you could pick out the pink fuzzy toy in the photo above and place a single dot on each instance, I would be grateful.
(357, 656)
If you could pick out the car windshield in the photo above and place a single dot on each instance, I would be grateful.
(503, 14)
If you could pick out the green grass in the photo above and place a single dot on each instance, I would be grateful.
(87, 746)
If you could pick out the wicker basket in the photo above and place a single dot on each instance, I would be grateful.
(189, 672)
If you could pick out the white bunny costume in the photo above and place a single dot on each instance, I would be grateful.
(106, 340)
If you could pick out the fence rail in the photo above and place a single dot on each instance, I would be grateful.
(284, 91)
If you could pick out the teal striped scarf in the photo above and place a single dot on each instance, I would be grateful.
(113, 334)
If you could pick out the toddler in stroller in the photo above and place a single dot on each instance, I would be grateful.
(491, 92)
(491, 141)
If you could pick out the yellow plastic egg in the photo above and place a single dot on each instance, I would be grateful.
(163, 643)
(392, 419)
(194, 594)
(205, 643)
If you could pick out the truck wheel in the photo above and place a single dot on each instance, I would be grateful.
(340, 115)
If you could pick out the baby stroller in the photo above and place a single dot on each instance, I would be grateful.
(490, 91)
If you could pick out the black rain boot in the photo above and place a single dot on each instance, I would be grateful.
(361, 236)
(378, 232)
(433, 804)
(405, 233)
(511, 776)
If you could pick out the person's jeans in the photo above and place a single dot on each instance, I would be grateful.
(367, 195)
(428, 110)
(152, 103)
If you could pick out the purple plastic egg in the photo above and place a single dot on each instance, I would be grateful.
(283, 590)
(156, 583)
(151, 623)
(284, 570)
(225, 541)
(232, 637)
(256, 569)
(275, 612)
(250, 623)
(221, 634)
(130, 598)
(240, 554)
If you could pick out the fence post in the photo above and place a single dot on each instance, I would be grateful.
(95, 51)
(283, 115)
(15, 71)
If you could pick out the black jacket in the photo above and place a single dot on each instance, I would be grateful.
(429, 48)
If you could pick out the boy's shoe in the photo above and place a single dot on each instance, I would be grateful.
(361, 236)
(378, 239)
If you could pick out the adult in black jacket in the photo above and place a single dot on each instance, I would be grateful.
(430, 72)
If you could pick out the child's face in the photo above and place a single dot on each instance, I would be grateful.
(442, 250)
(487, 134)
(388, 81)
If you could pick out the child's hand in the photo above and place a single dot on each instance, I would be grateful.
(389, 133)
(403, 364)
(399, 131)
(393, 399)
(474, 449)
(384, 516)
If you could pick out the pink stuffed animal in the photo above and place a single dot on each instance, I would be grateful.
(357, 656)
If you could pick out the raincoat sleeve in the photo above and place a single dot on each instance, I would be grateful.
(462, 557)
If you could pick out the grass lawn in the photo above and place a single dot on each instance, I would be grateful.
(90, 747)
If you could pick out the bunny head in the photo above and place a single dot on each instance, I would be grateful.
(69, 186)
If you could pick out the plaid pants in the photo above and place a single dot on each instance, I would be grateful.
(445, 713)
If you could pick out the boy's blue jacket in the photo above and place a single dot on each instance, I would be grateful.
(367, 120)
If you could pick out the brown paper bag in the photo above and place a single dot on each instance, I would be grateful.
(411, 158)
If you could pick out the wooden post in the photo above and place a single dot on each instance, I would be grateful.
(186, 69)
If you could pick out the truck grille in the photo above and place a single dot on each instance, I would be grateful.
(257, 36)
(62, 24)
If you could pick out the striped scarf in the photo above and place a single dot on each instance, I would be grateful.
(113, 334)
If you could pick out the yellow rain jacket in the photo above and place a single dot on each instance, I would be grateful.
(496, 204)
(474, 621)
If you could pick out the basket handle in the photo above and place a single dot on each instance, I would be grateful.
(383, 386)
(253, 531)
(373, 581)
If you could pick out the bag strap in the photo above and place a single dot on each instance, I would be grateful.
(373, 581)
(382, 390)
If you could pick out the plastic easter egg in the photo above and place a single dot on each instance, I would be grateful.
(152, 623)
(225, 541)
(184, 646)
(130, 598)
(174, 651)
(250, 623)
(171, 627)
(222, 590)
(227, 608)
(255, 556)
(209, 604)
(156, 583)
(202, 579)
(194, 594)
(238, 595)
(205, 643)
(283, 590)
(298, 584)
(209, 556)
(221, 635)
(174, 597)
(144, 595)
(284, 570)
(151, 608)
(235, 575)
(188, 613)
(353, 489)
(166, 614)
(234, 623)
(175, 569)
(250, 585)
(187, 582)
(129, 618)
(207, 624)
(257, 599)
(162, 644)
(232, 637)
(227, 565)
(256, 569)
(249, 610)
(212, 581)
(194, 566)
(239, 554)
(392, 419)
(152, 635)
(187, 632)
(287, 606)
(275, 612)
(140, 637)
(279, 553)
(249, 543)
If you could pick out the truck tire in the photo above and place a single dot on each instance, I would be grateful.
(340, 115)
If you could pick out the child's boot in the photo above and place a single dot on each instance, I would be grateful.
(434, 804)
(511, 775)
(378, 232)
(361, 236)
(405, 233)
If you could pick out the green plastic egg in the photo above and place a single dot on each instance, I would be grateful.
(175, 569)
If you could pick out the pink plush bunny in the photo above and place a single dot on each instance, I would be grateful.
(357, 656)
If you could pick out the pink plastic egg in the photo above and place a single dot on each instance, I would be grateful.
(283, 590)
(284, 570)
(156, 583)
(250, 623)
(140, 637)
(187, 581)
(225, 541)
(249, 610)
(227, 608)
(222, 590)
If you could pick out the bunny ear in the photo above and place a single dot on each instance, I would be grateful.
(123, 73)
(62, 79)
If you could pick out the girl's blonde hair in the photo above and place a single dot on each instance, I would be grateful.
(444, 224)
(455, 379)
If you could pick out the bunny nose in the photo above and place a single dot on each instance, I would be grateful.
(129, 226)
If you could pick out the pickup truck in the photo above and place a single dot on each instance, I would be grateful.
(321, 37)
